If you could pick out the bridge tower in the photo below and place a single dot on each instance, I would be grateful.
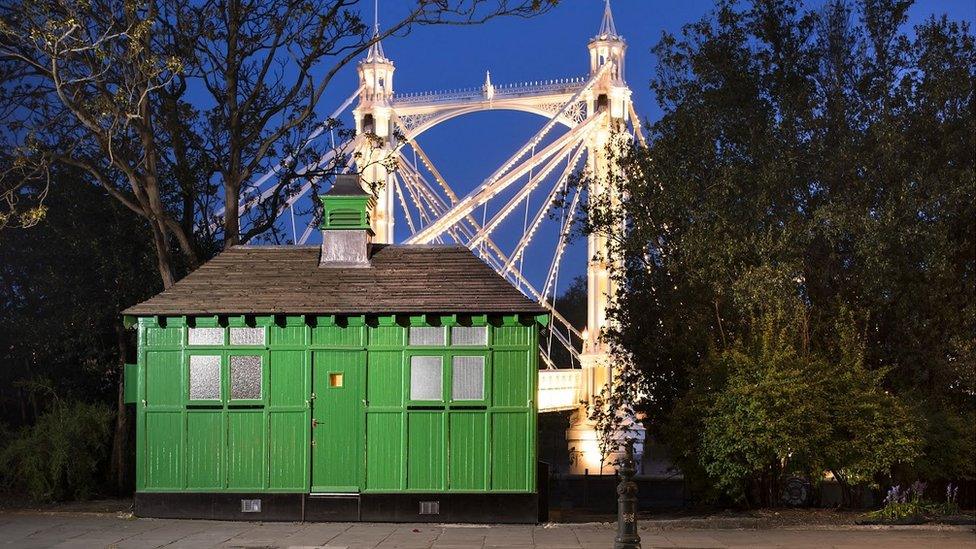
(611, 94)
(374, 123)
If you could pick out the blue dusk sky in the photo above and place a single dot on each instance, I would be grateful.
(469, 148)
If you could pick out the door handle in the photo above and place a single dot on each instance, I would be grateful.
(315, 423)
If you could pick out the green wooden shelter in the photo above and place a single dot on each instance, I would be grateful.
(351, 381)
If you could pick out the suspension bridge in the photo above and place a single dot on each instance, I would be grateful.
(592, 109)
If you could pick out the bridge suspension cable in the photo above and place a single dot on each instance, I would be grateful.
(246, 203)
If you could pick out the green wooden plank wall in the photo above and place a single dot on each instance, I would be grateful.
(268, 443)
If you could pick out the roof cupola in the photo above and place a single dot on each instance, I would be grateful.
(346, 232)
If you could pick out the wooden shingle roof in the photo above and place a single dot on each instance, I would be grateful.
(288, 279)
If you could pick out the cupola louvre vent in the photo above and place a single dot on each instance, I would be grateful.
(345, 218)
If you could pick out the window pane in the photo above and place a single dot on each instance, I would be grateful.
(335, 380)
(247, 336)
(428, 335)
(204, 377)
(245, 377)
(206, 336)
(469, 335)
(426, 378)
(468, 378)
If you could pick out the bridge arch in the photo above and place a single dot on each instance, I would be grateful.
(447, 114)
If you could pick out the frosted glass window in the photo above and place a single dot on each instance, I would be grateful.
(468, 378)
(247, 336)
(245, 377)
(422, 335)
(426, 378)
(204, 377)
(469, 335)
(206, 336)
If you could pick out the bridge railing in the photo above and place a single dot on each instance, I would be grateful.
(559, 389)
(521, 89)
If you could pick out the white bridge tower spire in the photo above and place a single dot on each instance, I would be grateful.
(374, 121)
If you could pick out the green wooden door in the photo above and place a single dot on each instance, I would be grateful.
(337, 418)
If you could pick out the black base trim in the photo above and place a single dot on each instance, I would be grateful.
(477, 508)
(217, 506)
(332, 508)
(482, 508)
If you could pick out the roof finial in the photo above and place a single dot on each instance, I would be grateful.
(376, 52)
(489, 88)
(607, 27)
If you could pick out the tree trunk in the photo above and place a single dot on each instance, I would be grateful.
(164, 262)
(120, 441)
(232, 171)
(845, 490)
(232, 224)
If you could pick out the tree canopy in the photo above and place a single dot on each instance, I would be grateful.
(177, 107)
(799, 266)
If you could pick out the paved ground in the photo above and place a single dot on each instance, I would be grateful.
(27, 530)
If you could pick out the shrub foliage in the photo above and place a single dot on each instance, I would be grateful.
(63, 455)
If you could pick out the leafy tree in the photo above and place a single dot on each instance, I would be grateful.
(62, 285)
(84, 81)
(103, 86)
(811, 183)
(767, 405)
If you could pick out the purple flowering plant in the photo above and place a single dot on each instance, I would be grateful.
(910, 503)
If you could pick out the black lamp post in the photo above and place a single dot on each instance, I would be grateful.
(627, 537)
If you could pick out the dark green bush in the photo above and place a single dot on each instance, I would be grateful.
(62, 456)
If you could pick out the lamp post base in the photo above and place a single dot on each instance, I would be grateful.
(627, 536)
